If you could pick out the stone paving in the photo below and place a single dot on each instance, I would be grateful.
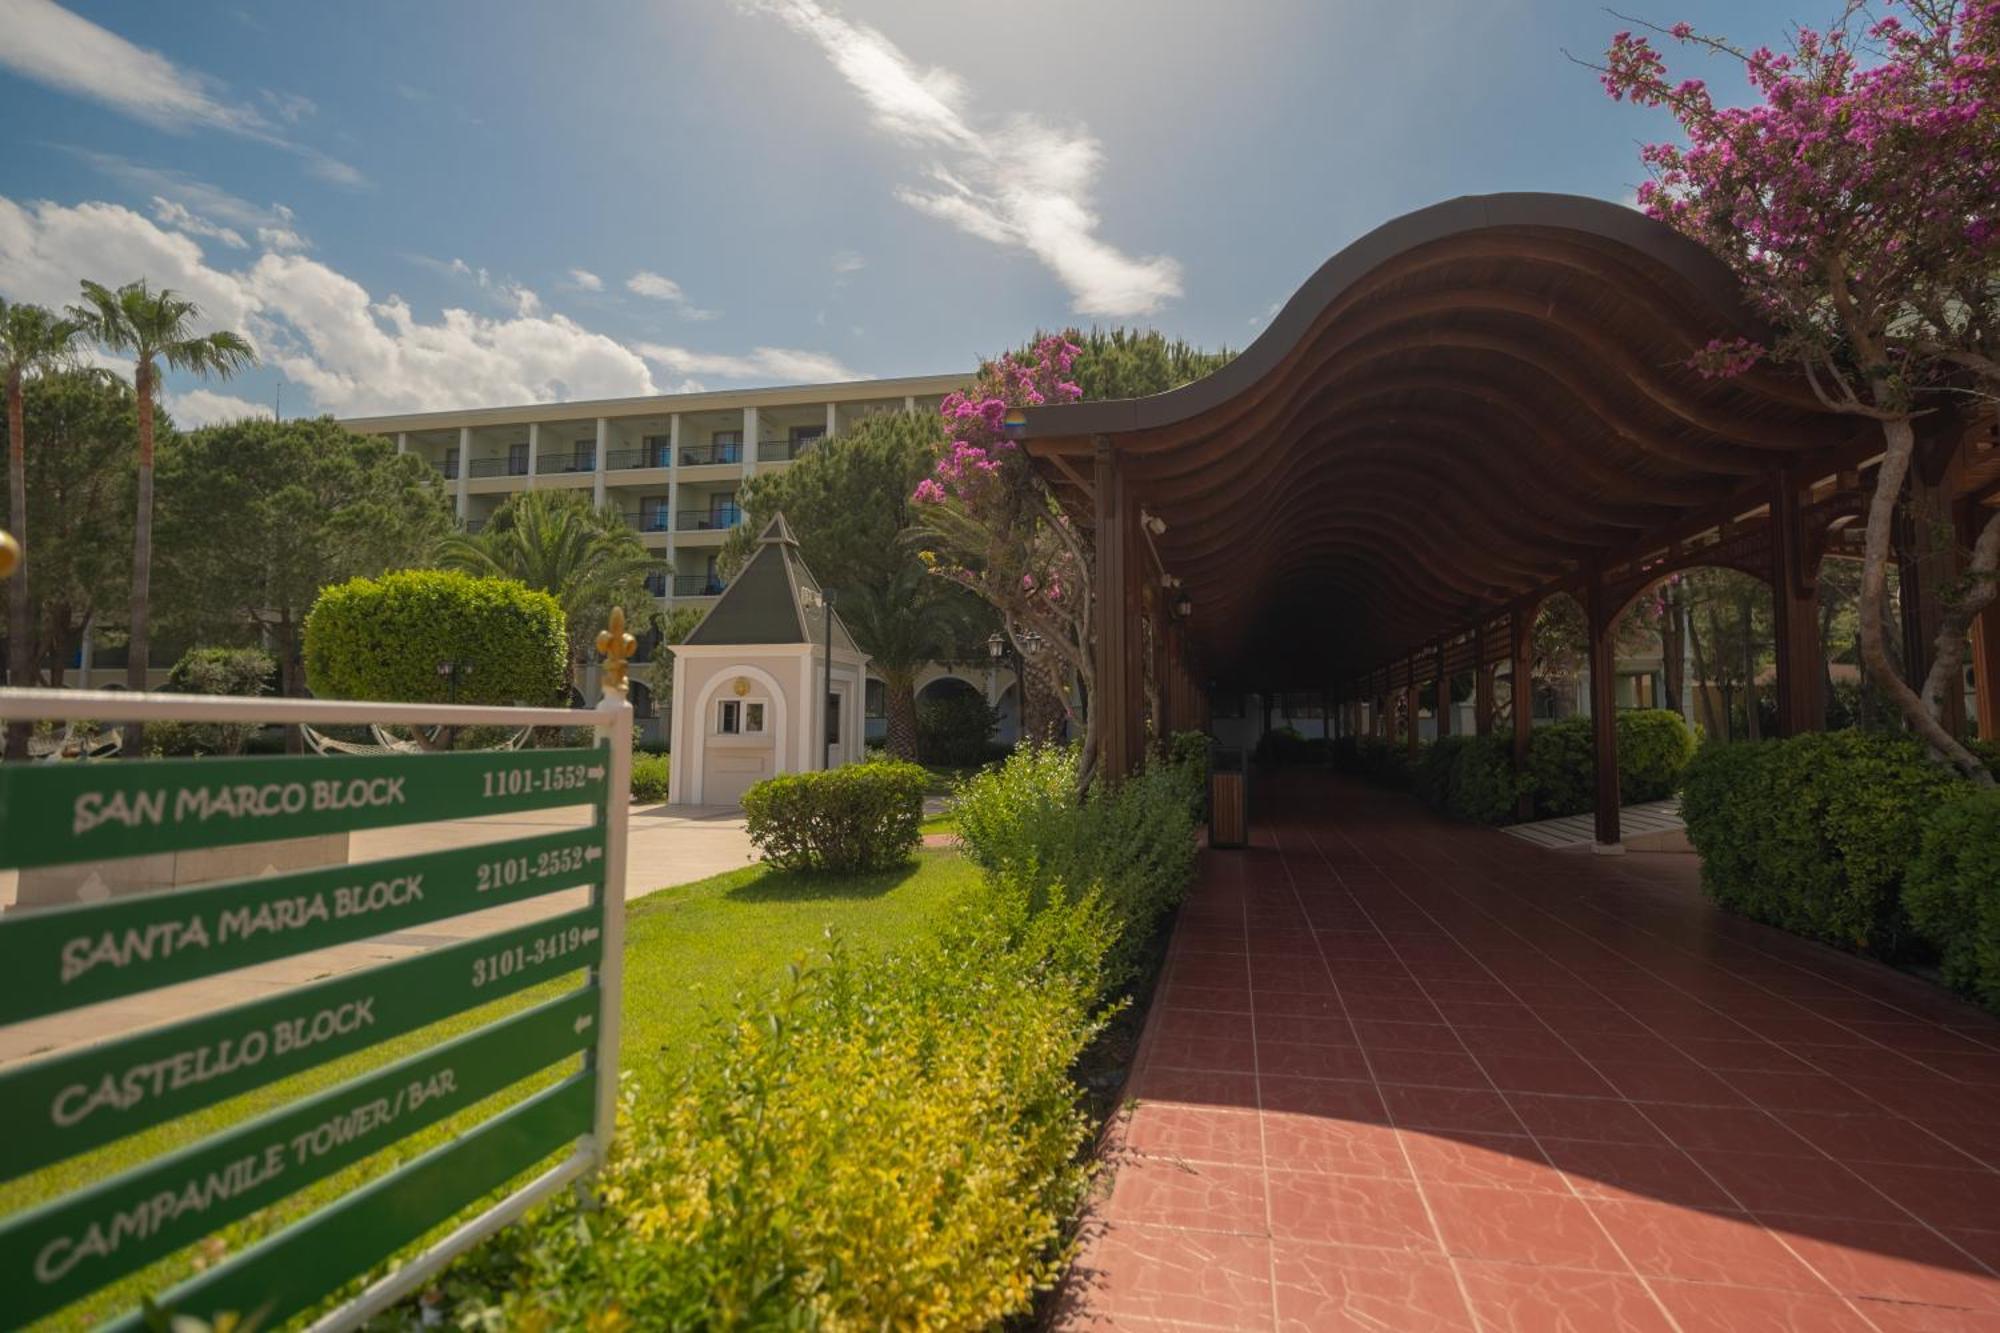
(1407, 1075)
(666, 845)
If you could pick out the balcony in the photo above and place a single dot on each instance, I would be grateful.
(784, 451)
(560, 463)
(706, 455)
(719, 519)
(649, 520)
(497, 467)
(626, 460)
(656, 584)
(447, 468)
(697, 585)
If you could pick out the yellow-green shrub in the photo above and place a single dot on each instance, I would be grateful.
(893, 1143)
(384, 638)
(649, 777)
(856, 817)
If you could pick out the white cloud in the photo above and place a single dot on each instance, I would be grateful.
(584, 279)
(1020, 182)
(289, 107)
(274, 225)
(65, 51)
(180, 218)
(206, 407)
(784, 365)
(659, 287)
(353, 353)
(847, 261)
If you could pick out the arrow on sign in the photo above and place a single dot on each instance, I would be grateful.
(592, 853)
(589, 934)
(583, 1021)
(594, 771)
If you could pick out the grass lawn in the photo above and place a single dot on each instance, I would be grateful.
(690, 952)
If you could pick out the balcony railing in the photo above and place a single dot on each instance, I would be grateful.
(556, 463)
(703, 455)
(656, 584)
(446, 468)
(784, 451)
(718, 519)
(649, 520)
(497, 467)
(474, 523)
(624, 460)
(697, 585)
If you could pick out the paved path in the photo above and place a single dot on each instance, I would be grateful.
(1637, 824)
(666, 846)
(1402, 1075)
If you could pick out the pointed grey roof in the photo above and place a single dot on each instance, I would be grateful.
(774, 598)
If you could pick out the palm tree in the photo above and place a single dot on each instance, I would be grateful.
(901, 624)
(33, 339)
(153, 328)
(588, 559)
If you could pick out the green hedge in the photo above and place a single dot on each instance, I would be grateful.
(1815, 834)
(238, 672)
(1132, 845)
(1470, 778)
(383, 639)
(649, 777)
(954, 730)
(1654, 746)
(894, 1142)
(1952, 891)
(843, 820)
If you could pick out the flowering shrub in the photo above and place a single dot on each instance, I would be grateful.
(1859, 204)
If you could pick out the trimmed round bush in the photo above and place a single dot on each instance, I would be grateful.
(1654, 746)
(1816, 833)
(239, 672)
(1952, 891)
(843, 820)
(1470, 778)
(384, 638)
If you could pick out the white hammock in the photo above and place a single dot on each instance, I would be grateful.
(69, 745)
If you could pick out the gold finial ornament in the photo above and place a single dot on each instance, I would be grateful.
(616, 645)
(10, 555)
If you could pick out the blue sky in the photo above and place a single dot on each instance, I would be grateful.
(425, 206)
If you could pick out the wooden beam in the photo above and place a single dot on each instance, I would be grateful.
(1113, 704)
(1986, 670)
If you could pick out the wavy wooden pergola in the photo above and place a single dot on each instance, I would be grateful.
(1468, 410)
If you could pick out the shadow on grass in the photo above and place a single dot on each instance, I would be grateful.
(799, 886)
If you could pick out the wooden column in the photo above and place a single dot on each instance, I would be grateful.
(1604, 714)
(1112, 703)
(1482, 684)
(1795, 615)
(1521, 624)
(1442, 705)
(1986, 670)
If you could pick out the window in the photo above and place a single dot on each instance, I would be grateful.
(729, 717)
(656, 450)
(584, 459)
(517, 459)
(833, 718)
(876, 699)
(726, 439)
(653, 513)
(451, 461)
(753, 717)
(802, 436)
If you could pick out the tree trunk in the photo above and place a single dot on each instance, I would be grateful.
(136, 658)
(1041, 705)
(1899, 437)
(901, 689)
(20, 618)
(1704, 702)
(1673, 649)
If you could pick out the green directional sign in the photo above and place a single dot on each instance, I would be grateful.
(66, 1249)
(59, 959)
(55, 814)
(294, 1269)
(72, 1102)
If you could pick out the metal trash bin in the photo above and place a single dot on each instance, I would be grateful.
(1228, 799)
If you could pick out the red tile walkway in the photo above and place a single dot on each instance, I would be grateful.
(1407, 1075)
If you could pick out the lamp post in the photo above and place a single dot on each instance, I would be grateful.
(826, 685)
(452, 671)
